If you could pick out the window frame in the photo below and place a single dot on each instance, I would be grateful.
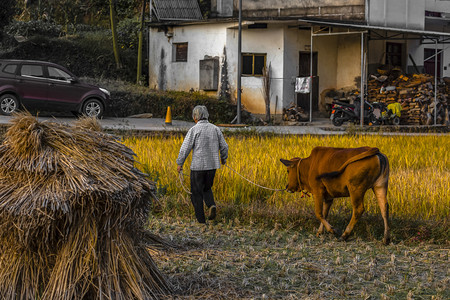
(253, 64)
(43, 76)
(394, 55)
(175, 52)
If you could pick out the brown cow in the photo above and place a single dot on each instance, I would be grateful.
(330, 173)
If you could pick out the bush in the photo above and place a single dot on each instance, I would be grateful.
(88, 54)
(130, 99)
(34, 28)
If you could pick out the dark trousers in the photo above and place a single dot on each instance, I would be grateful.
(201, 183)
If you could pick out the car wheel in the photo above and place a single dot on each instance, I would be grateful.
(8, 104)
(93, 108)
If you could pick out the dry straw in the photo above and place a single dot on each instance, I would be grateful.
(73, 211)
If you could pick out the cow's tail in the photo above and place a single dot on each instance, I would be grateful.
(369, 153)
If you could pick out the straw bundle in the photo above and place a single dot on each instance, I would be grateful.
(72, 215)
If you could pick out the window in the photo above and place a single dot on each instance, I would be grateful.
(11, 69)
(394, 54)
(180, 51)
(32, 70)
(55, 73)
(257, 26)
(253, 64)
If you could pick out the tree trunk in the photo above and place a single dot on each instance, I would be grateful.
(141, 41)
(112, 13)
(266, 90)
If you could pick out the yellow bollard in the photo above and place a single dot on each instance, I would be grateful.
(168, 116)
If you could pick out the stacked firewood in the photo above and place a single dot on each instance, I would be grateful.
(414, 92)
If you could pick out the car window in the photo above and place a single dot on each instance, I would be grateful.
(11, 69)
(32, 70)
(55, 73)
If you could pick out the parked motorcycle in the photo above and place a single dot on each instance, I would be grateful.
(343, 112)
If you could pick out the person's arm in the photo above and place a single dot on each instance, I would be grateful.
(223, 148)
(185, 149)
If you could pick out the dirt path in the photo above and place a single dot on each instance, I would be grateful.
(235, 262)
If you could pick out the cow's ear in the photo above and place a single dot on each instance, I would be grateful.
(287, 163)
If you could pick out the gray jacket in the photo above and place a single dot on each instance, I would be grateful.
(206, 141)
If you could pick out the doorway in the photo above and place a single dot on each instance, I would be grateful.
(429, 64)
(304, 71)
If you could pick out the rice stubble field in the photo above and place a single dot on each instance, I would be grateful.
(263, 244)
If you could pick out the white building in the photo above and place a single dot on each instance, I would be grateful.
(187, 52)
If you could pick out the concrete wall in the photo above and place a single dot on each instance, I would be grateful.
(397, 13)
(269, 41)
(333, 9)
(165, 74)
(348, 60)
(437, 5)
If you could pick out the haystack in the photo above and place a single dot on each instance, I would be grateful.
(73, 210)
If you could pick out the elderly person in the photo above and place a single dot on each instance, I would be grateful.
(206, 141)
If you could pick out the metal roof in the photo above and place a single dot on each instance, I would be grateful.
(423, 33)
(177, 10)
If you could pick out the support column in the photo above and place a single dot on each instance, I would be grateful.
(311, 76)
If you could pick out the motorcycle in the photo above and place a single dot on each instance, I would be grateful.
(387, 114)
(343, 112)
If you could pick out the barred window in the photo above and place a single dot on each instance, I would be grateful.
(180, 51)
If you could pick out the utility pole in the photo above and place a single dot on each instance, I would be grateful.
(239, 90)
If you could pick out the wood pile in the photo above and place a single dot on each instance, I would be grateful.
(414, 92)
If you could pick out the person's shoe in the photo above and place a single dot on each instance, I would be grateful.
(212, 212)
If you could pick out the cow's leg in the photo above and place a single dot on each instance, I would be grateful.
(326, 208)
(381, 193)
(318, 207)
(357, 199)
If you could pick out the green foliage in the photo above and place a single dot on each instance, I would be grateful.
(205, 7)
(33, 28)
(127, 32)
(7, 11)
(88, 54)
(72, 12)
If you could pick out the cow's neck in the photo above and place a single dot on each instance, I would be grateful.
(304, 166)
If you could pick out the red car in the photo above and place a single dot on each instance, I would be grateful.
(45, 86)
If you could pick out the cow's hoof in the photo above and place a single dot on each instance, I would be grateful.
(343, 238)
(386, 241)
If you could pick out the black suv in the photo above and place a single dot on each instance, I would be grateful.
(45, 86)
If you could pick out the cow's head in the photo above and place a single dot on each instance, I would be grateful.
(293, 173)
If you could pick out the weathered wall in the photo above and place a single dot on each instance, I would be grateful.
(348, 60)
(269, 41)
(335, 9)
(165, 74)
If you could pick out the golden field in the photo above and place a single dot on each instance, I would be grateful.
(263, 244)
(418, 189)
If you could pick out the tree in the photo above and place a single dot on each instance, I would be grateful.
(7, 11)
(141, 39)
(266, 90)
(112, 14)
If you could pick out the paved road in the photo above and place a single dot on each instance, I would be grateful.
(321, 126)
(317, 127)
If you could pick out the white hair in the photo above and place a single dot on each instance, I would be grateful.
(200, 112)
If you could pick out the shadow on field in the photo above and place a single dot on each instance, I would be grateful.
(370, 227)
